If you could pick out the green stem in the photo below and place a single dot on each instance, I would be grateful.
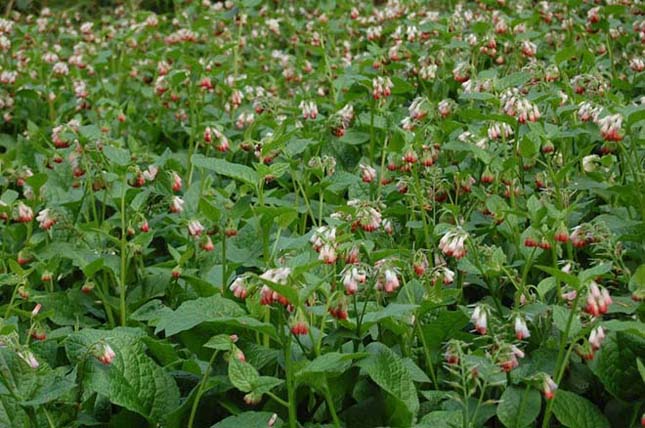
(330, 405)
(200, 391)
(560, 361)
(291, 393)
(124, 255)
(428, 355)
(277, 399)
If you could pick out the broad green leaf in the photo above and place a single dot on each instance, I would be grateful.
(330, 364)
(589, 274)
(228, 169)
(562, 276)
(32, 387)
(116, 155)
(11, 414)
(513, 80)
(220, 342)
(641, 368)
(561, 318)
(132, 380)
(284, 290)
(518, 407)
(637, 280)
(615, 365)
(247, 379)
(387, 370)
(565, 54)
(393, 310)
(249, 420)
(242, 374)
(194, 312)
(442, 419)
(635, 327)
(574, 411)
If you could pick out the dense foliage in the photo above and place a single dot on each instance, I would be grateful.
(317, 214)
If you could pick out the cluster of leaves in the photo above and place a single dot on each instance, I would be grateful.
(320, 214)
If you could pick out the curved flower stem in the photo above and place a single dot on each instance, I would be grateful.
(123, 253)
(331, 407)
(200, 391)
(291, 393)
(428, 356)
(560, 364)
(277, 399)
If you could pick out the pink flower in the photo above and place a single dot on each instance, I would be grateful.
(309, 110)
(610, 127)
(368, 174)
(238, 287)
(195, 228)
(598, 300)
(29, 358)
(36, 310)
(151, 173)
(176, 182)
(45, 219)
(549, 387)
(352, 278)
(24, 214)
(106, 354)
(596, 338)
(452, 243)
(521, 330)
(208, 135)
(208, 245)
(177, 205)
(390, 281)
(328, 254)
(479, 318)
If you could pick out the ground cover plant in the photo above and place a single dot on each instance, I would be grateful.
(307, 214)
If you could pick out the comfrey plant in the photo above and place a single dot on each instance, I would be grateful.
(307, 214)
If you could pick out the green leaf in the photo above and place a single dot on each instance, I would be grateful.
(562, 276)
(221, 342)
(287, 291)
(249, 420)
(561, 318)
(442, 419)
(565, 54)
(574, 411)
(635, 327)
(233, 170)
(11, 414)
(615, 365)
(513, 80)
(393, 310)
(194, 312)
(387, 370)
(518, 407)
(132, 380)
(116, 155)
(637, 280)
(641, 368)
(589, 274)
(31, 387)
(242, 375)
(330, 364)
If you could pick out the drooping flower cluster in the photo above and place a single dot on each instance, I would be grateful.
(479, 318)
(323, 241)
(598, 300)
(381, 87)
(279, 276)
(453, 243)
(516, 105)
